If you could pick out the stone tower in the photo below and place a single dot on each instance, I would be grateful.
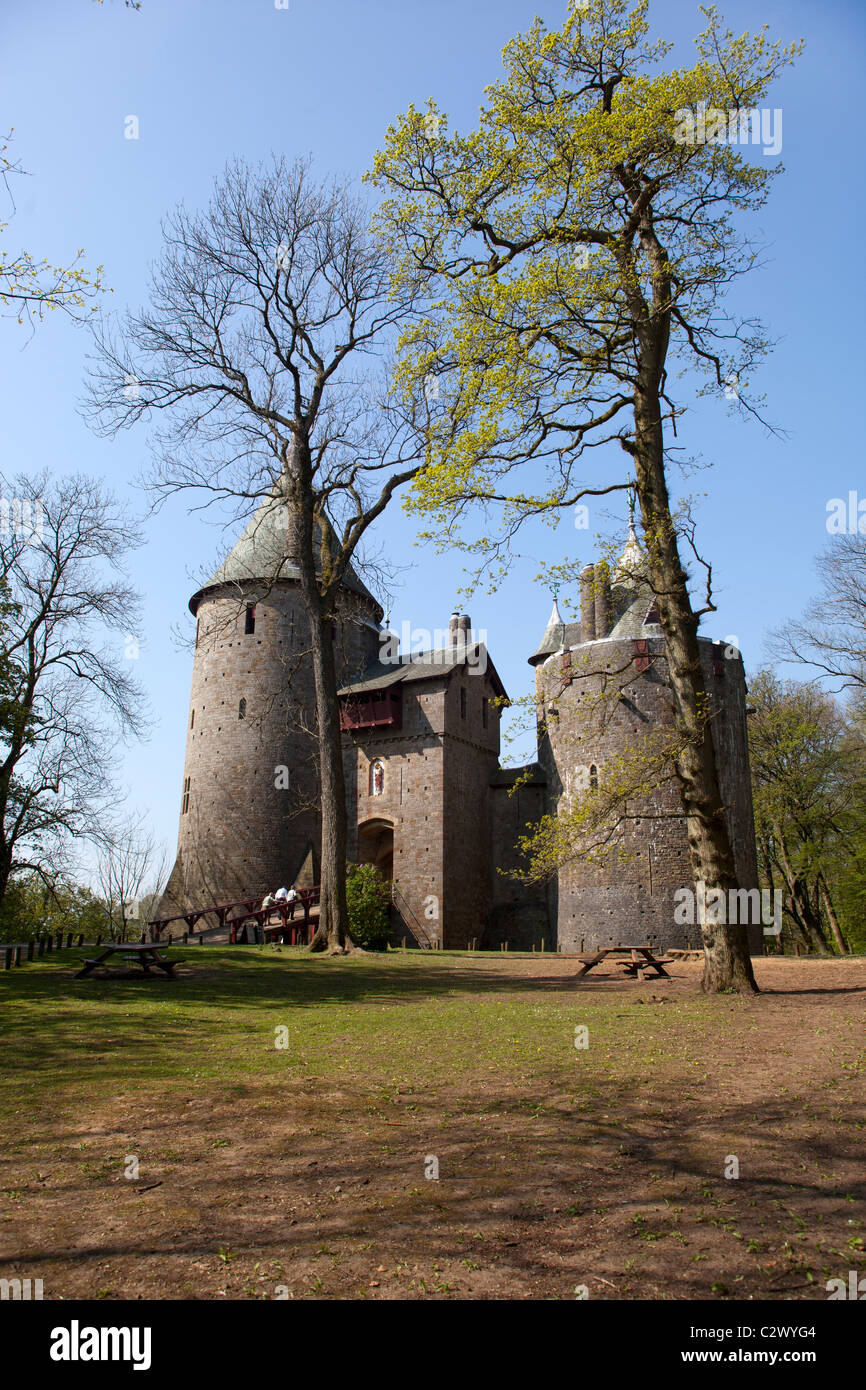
(602, 688)
(249, 815)
(421, 745)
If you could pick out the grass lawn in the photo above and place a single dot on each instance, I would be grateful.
(299, 1171)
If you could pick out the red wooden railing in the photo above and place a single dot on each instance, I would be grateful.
(245, 910)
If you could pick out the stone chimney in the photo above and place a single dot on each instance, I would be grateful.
(587, 604)
(465, 629)
(454, 629)
(602, 599)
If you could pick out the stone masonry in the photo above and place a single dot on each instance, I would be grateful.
(428, 801)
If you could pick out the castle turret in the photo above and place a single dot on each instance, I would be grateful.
(606, 702)
(250, 817)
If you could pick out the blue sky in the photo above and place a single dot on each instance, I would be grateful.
(209, 79)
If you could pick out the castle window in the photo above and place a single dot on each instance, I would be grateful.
(484, 711)
(250, 619)
(242, 709)
(192, 719)
(377, 778)
(185, 803)
(462, 702)
(197, 630)
(593, 778)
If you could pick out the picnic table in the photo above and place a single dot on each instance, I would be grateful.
(640, 959)
(143, 954)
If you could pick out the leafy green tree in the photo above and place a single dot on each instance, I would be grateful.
(808, 775)
(368, 897)
(574, 250)
(32, 905)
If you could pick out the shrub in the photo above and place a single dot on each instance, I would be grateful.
(368, 896)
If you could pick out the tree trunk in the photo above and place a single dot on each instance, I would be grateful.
(319, 597)
(727, 963)
(332, 933)
(801, 906)
(835, 929)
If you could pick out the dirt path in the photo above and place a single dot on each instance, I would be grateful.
(608, 1173)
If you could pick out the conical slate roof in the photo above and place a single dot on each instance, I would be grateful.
(631, 603)
(632, 597)
(266, 551)
(557, 634)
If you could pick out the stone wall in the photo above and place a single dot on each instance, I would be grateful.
(436, 796)
(411, 802)
(627, 897)
(520, 913)
(243, 831)
(471, 759)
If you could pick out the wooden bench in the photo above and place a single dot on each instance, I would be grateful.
(640, 961)
(145, 955)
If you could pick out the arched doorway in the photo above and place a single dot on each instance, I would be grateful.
(376, 846)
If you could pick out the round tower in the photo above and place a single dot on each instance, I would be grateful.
(605, 705)
(250, 809)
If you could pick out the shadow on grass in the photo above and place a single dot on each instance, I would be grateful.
(544, 1195)
(131, 1027)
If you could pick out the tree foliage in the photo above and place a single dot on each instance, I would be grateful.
(809, 779)
(369, 900)
(30, 287)
(574, 249)
(32, 906)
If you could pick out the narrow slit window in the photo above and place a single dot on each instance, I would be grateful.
(462, 702)
(192, 720)
(185, 803)
(593, 778)
(242, 709)
(250, 620)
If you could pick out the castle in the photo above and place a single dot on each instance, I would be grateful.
(428, 799)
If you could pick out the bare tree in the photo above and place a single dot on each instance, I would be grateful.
(265, 356)
(131, 867)
(831, 637)
(67, 689)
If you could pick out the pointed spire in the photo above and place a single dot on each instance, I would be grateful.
(631, 561)
(556, 621)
